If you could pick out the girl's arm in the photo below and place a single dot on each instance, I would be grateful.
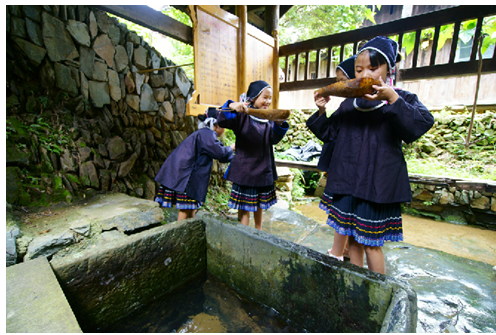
(321, 102)
(215, 149)
(325, 128)
(278, 131)
(411, 118)
(228, 114)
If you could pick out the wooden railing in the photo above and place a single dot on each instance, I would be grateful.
(455, 15)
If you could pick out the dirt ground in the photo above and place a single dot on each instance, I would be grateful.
(460, 240)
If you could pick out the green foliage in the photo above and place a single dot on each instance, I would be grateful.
(304, 22)
(9, 129)
(467, 31)
(180, 53)
(53, 139)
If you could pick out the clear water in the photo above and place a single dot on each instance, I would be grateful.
(206, 305)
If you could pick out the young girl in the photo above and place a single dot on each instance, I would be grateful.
(185, 174)
(253, 169)
(367, 176)
(340, 247)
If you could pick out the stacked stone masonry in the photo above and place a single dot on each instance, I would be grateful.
(81, 119)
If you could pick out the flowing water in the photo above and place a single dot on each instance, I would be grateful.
(449, 266)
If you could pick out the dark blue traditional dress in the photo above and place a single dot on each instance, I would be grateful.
(185, 174)
(253, 169)
(367, 173)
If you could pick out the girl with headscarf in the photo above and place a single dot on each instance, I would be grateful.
(367, 176)
(185, 174)
(340, 247)
(253, 169)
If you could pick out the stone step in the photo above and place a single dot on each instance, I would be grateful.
(35, 301)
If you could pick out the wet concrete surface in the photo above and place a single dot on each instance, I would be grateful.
(455, 294)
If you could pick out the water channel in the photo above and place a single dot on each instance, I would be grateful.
(449, 266)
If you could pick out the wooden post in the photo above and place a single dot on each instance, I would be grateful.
(474, 107)
(242, 36)
(272, 27)
(271, 18)
(275, 69)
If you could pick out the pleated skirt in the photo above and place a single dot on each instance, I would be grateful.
(167, 198)
(369, 223)
(252, 198)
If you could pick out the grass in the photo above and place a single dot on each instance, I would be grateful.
(454, 169)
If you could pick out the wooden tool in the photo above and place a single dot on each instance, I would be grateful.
(270, 114)
(353, 88)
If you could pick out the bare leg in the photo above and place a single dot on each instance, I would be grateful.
(258, 218)
(375, 259)
(356, 252)
(244, 217)
(346, 251)
(339, 245)
(186, 214)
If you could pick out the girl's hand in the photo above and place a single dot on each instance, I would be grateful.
(383, 92)
(239, 107)
(321, 102)
(233, 147)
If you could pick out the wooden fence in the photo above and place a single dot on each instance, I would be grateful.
(395, 29)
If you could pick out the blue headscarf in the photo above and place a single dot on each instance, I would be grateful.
(387, 48)
(254, 91)
(348, 67)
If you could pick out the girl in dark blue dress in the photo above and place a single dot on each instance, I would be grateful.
(185, 174)
(253, 169)
(367, 176)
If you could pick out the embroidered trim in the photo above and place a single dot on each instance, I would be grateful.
(259, 120)
(384, 102)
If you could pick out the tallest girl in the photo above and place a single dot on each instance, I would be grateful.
(367, 177)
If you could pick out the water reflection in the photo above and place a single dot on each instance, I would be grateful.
(206, 305)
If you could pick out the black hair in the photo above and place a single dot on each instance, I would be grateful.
(377, 59)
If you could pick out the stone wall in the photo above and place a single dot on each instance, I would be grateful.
(80, 118)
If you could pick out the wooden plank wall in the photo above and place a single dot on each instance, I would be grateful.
(222, 71)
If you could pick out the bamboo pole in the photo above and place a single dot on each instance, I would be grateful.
(242, 38)
(474, 107)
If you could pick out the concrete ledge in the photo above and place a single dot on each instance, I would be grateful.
(35, 301)
(108, 283)
(310, 289)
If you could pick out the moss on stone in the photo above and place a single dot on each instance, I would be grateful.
(73, 178)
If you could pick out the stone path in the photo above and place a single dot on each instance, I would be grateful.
(32, 286)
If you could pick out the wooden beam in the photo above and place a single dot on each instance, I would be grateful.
(447, 70)
(297, 165)
(425, 72)
(306, 85)
(255, 20)
(149, 18)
